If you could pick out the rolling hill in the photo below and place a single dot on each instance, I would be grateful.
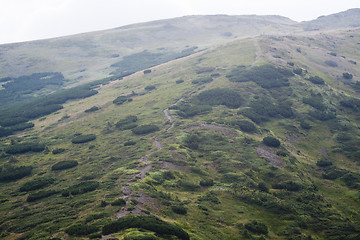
(201, 127)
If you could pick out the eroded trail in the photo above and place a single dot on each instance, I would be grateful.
(145, 166)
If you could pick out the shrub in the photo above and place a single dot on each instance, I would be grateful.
(64, 165)
(244, 126)
(220, 96)
(205, 70)
(83, 138)
(179, 209)
(15, 173)
(92, 109)
(257, 227)
(305, 125)
(315, 101)
(207, 183)
(288, 185)
(347, 75)
(81, 229)
(120, 100)
(24, 148)
(266, 76)
(298, 71)
(150, 223)
(331, 63)
(322, 115)
(202, 80)
(58, 150)
(129, 143)
(127, 122)
(145, 129)
(147, 71)
(271, 142)
(119, 202)
(40, 195)
(150, 87)
(324, 163)
(37, 183)
(81, 188)
(316, 80)
(179, 81)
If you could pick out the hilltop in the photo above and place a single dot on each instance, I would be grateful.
(220, 133)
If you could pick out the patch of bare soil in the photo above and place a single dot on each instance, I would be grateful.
(272, 157)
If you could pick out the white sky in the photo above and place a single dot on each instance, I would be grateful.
(23, 20)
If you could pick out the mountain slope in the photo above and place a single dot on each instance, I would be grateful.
(257, 138)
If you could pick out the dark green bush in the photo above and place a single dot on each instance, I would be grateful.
(92, 109)
(331, 63)
(315, 101)
(179, 81)
(322, 115)
(128, 122)
(352, 103)
(150, 87)
(266, 76)
(64, 165)
(119, 202)
(120, 100)
(81, 229)
(145, 129)
(271, 142)
(244, 126)
(288, 185)
(58, 150)
(147, 71)
(24, 148)
(83, 138)
(305, 125)
(220, 96)
(150, 223)
(202, 80)
(316, 80)
(37, 183)
(298, 71)
(205, 70)
(347, 75)
(207, 183)
(129, 143)
(188, 186)
(40, 195)
(256, 227)
(324, 163)
(14, 173)
(81, 188)
(179, 209)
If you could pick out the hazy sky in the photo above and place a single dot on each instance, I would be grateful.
(22, 20)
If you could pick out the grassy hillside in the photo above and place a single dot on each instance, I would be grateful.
(257, 138)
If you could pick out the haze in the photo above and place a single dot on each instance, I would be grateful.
(24, 20)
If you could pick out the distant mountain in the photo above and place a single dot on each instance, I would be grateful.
(346, 19)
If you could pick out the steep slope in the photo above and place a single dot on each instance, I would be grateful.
(254, 139)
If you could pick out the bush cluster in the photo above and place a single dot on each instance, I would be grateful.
(24, 148)
(244, 125)
(40, 195)
(257, 227)
(178, 209)
(266, 76)
(83, 138)
(37, 183)
(316, 80)
(271, 142)
(81, 188)
(81, 229)
(288, 185)
(15, 173)
(121, 99)
(187, 110)
(64, 165)
(207, 183)
(92, 109)
(128, 122)
(145, 129)
(220, 96)
(58, 150)
(119, 202)
(145, 222)
(202, 80)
